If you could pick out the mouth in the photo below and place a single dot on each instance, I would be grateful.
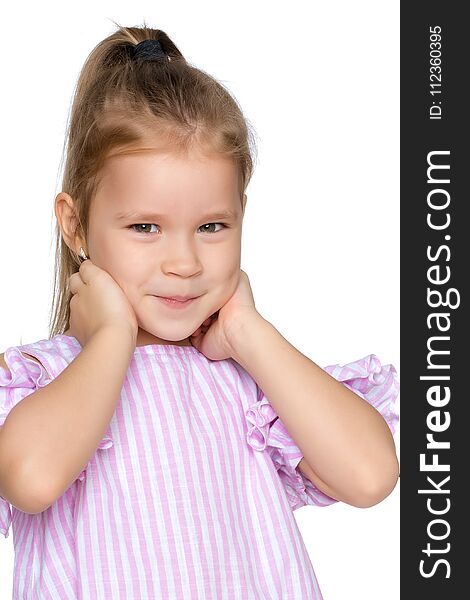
(177, 301)
(178, 298)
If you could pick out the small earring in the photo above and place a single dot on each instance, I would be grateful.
(82, 254)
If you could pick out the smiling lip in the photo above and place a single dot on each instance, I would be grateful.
(179, 298)
(173, 302)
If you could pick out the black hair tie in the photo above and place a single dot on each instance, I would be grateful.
(149, 50)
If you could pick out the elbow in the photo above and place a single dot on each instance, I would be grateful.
(28, 495)
(22, 498)
(378, 487)
(18, 485)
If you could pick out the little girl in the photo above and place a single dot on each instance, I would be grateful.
(158, 442)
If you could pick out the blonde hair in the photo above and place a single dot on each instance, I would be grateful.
(123, 106)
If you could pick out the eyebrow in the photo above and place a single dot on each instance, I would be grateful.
(143, 217)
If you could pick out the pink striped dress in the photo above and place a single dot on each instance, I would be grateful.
(191, 492)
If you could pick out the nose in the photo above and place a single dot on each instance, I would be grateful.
(180, 258)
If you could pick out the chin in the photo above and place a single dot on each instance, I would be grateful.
(173, 338)
(169, 336)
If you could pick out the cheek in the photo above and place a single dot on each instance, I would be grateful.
(225, 264)
(234, 274)
(225, 273)
(229, 284)
(126, 275)
(126, 266)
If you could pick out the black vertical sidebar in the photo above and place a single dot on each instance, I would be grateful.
(435, 346)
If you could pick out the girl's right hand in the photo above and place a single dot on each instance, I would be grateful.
(98, 302)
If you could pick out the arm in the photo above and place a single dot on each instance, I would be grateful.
(348, 449)
(49, 437)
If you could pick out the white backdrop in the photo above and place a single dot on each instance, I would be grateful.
(320, 83)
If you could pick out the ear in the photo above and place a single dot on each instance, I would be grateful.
(65, 213)
(244, 203)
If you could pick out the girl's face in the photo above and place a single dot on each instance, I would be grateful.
(158, 226)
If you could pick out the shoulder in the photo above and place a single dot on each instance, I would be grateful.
(20, 366)
(3, 364)
(41, 360)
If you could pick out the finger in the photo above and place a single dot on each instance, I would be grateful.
(74, 283)
(84, 270)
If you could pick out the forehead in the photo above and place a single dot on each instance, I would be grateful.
(165, 182)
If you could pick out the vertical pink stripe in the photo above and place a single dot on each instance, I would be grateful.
(103, 571)
(87, 521)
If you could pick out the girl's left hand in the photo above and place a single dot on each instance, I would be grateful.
(212, 338)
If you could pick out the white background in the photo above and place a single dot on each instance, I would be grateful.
(319, 81)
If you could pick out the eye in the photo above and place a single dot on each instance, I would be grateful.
(143, 225)
(208, 224)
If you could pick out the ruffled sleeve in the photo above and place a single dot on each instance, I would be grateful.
(23, 377)
(376, 384)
